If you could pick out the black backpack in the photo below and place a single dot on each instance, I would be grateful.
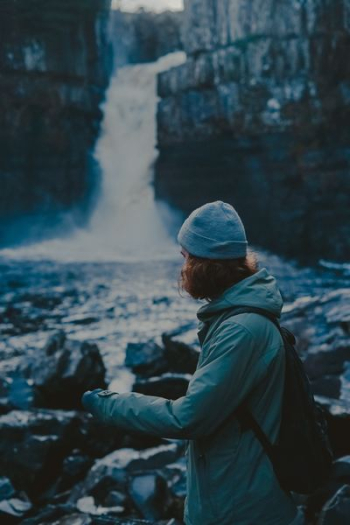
(302, 458)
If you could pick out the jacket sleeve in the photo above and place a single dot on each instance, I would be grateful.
(225, 377)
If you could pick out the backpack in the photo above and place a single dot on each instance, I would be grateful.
(302, 457)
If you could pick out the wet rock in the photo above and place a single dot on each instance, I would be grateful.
(5, 405)
(97, 440)
(320, 327)
(44, 300)
(146, 359)
(75, 467)
(340, 475)
(149, 493)
(64, 370)
(337, 510)
(14, 509)
(87, 519)
(115, 498)
(87, 504)
(338, 419)
(326, 362)
(113, 471)
(54, 514)
(176, 476)
(76, 519)
(341, 470)
(33, 446)
(6, 488)
(328, 386)
(17, 392)
(170, 386)
(73, 470)
(15, 321)
(182, 350)
(320, 324)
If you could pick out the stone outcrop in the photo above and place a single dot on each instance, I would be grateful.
(259, 115)
(63, 370)
(55, 64)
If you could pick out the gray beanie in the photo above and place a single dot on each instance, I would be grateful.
(214, 231)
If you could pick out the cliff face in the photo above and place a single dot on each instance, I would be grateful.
(259, 115)
(55, 64)
(145, 36)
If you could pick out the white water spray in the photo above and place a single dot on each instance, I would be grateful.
(127, 223)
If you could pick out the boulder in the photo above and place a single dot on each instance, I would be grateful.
(77, 518)
(338, 418)
(328, 386)
(341, 470)
(33, 446)
(340, 475)
(327, 361)
(87, 504)
(115, 498)
(149, 492)
(321, 327)
(176, 476)
(181, 350)
(146, 359)
(96, 439)
(64, 370)
(16, 392)
(18, 321)
(170, 386)
(337, 510)
(57, 514)
(14, 509)
(74, 468)
(6, 488)
(114, 470)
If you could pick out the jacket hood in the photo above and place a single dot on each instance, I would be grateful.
(259, 290)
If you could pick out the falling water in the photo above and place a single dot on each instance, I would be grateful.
(127, 223)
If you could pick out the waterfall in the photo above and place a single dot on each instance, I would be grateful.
(153, 5)
(127, 222)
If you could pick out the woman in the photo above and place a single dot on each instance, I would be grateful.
(230, 478)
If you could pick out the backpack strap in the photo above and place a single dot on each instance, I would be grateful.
(251, 309)
(243, 413)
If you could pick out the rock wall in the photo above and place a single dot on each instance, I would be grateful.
(259, 115)
(145, 36)
(55, 64)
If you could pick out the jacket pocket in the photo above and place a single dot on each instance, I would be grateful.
(220, 471)
(207, 504)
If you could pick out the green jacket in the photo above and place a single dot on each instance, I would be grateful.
(230, 479)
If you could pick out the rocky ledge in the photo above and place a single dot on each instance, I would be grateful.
(259, 115)
(55, 65)
(144, 36)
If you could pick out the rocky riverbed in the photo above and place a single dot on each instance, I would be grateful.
(70, 327)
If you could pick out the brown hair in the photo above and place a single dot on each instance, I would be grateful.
(209, 278)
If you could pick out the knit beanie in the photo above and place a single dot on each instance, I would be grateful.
(214, 231)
